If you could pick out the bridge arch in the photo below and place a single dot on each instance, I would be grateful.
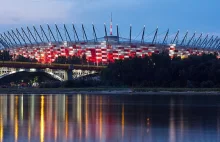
(10, 72)
(58, 74)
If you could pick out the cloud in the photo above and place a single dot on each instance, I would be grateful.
(33, 11)
(40, 11)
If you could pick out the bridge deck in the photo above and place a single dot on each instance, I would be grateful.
(50, 66)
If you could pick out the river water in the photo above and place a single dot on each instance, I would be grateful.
(109, 118)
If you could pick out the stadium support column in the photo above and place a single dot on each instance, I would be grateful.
(215, 43)
(142, 39)
(21, 36)
(66, 31)
(203, 42)
(216, 39)
(84, 34)
(218, 45)
(175, 39)
(195, 44)
(16, 36)
(75, 33)
(44, 33)
(155, 36)
(3, 43)
(117, 32)
(12, 38)
(210, 40)
(94, 33)
(51, 33)
(191, 39)
(3, 38)
(32, 34)
(8, 39)
(130, 32)
(57, 29)
(106, 36)
(166, 37)
(184, 39)
(26, 36)
(37, 34)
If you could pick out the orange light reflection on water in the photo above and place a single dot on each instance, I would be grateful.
(16, 129)
(1, 122)
(55, 118)
(122, 120)
(86, 116)
(42, 120)
(79, 114)
(66, 118)
(100, 119)
(1, 129)
(29, 130)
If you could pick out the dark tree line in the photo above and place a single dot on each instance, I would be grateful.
(160, 70)
(21, 58)
(71, 60)
(5, 56)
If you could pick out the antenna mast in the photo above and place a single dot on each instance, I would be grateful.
(111, 25)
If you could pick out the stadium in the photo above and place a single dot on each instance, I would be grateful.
(46, 43)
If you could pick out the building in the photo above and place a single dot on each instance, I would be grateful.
(45, 46)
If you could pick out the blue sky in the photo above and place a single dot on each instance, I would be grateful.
(192, 15)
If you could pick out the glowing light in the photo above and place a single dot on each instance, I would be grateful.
(122, 120)
(29, 130)
(1, 129)
(172, 133)
(100, 119)
(79, 114)
(86, 115)
(16, 129)
(32, 70)
(22, 107)
(42, 119)
(66, 118)
(1, 123)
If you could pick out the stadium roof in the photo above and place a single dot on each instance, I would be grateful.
(54, 34)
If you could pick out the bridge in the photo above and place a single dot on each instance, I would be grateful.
(60, 72)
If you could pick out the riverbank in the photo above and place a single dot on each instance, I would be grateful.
(143, 91)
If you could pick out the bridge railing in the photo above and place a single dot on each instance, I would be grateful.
(51, 66)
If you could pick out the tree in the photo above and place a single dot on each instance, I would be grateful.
(21, 58)
(61, 60)
(84, 60)
(5, 55)
(159, 70)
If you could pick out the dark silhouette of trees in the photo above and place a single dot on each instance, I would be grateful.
(5, 56)
(21, 58)
(69, 60)
(84, 60)
(160, 70)
(61, 60)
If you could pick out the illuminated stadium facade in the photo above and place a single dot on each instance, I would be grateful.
(46, 43)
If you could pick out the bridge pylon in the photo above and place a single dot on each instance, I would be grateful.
(68, 75)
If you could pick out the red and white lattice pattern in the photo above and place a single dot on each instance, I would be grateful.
(95, 53)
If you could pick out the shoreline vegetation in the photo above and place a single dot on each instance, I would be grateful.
(156, 71)
(113, 91)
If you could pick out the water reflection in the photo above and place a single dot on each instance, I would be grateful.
(94, 118)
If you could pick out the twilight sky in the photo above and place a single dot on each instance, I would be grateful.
(192, 15)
